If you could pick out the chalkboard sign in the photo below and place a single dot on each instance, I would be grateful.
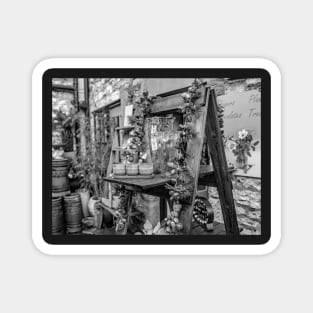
(243, 110)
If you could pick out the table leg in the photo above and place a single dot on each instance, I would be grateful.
(129, 209)
(163, 208)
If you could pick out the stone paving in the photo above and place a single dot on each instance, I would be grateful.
(247, 197)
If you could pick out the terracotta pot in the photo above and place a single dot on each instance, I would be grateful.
(132, 169)
(84, 197)
(88, 222)
(91, 205)
(57, 217)
(119, 169)
(145, 169)
(73, 213)
(60, 182)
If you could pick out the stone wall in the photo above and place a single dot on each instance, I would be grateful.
(247, 197)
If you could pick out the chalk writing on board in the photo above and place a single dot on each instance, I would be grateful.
(254, 113)
(243, 110)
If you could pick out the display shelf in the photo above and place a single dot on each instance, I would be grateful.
(140, 183)
(133, 176)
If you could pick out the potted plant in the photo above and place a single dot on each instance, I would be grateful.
(91, 169)
(241, 148)
(136, 146)
(79, 173)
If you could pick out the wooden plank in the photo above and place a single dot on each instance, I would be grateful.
(222, 177)
(194, 150)
(208, 179)
(113, 156)
(142, 184)
(163, 208)
(172, 103)
(129, 210)
(126, 128)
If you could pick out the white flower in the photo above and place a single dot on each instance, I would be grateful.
(186, 96)
(231, 145)
(242, 134)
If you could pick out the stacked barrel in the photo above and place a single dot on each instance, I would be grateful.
(73, 213)
(60, 183)
(57, 217)
(66, 207)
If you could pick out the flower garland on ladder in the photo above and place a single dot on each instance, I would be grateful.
(134, 148)
(181, 186)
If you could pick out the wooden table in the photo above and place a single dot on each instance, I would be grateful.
(152, 186)
(156, 187)
(140, 184)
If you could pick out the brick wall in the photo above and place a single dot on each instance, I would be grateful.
(247, 197)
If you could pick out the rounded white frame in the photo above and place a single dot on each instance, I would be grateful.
(156, 249)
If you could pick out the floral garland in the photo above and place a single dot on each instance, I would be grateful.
(135, 142)
(121, 211)
(181, 188)
(133, 148)
(220, 117)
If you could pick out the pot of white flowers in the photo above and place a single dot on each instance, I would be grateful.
(242, 147)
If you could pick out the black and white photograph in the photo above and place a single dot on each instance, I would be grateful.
(156, 156)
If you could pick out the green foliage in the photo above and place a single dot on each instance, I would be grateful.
(181, 186)
(136, 145)
(242, 146)
(90, 166)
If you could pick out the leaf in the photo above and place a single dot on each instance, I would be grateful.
(148, 227)
(157, 228)
(256, 143)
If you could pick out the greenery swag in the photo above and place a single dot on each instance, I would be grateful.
(181, 186)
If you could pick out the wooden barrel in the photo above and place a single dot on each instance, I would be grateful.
(60, 184)
(57, 217)
(73, 213)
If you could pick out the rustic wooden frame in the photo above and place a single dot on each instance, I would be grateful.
(205, 125)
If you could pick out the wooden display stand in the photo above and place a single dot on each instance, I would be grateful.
(206, 125)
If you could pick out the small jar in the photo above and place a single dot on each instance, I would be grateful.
(145, 169)
(132, 169)
(119, 169)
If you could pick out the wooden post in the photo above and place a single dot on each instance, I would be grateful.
(194, 150)
(222, 177)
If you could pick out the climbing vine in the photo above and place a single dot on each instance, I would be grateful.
(121, 211)
(181, 186)
(135, 147)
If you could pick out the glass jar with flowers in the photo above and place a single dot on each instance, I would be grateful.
(241, 148)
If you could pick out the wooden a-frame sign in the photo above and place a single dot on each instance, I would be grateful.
(206, 127)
